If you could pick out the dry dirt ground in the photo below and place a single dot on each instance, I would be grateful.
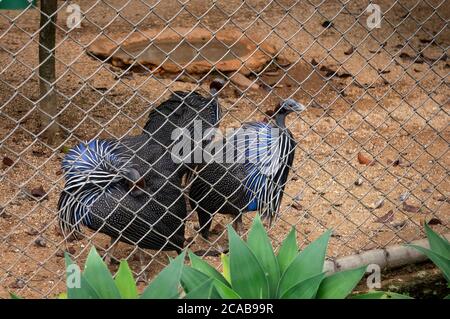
(388, 101)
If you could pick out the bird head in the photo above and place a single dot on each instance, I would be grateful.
(290, 105)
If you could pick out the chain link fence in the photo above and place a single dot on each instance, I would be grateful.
(371, 158)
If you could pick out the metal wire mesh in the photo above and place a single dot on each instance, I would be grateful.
(372, 155)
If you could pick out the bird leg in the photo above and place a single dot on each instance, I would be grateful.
(109, 251)
(204, 220)
(142, 276)
(238, 226)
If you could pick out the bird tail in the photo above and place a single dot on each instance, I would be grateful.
(91, 169)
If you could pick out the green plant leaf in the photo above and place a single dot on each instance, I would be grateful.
(165, 285)
(204, 267)
(225, 291)
(205, 290)
(125, 282)
(309, 262)
(98, 276)
(79, 287)
(192, 278)
(438, 244)
(380, 295)
(14, 296)
(62, 295)
(288, 250)
(339, 285)
(225, 267)
(259, 243)
(306, 289)
(440, 261)
(247, 275)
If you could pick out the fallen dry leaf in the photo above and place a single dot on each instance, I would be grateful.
(7, 161)
(410, 208)
(426, 40)
(395, 162)
(32, 232)
(399, 224)
(296, 206)
(387, 218)
(434, 221)
(379, 203)
(39, 192)
(364, 160)
(349, 51)
(442, 199)
(40, 241)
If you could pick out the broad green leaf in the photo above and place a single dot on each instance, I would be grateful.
(225, 267)
(76, 285)
(14, 296)
(225, 291)
(204, 291)
(204, 267)
(98, 276)
(380, 295)
(288, 251)
(247, 275)
(339, 285)
(192, 278)
(307, 264)
(440, 261)
(306, 289)
(165, 285)
(125, 282)
(438, 244)
(447, 297)
(62, 295)
(260, 245)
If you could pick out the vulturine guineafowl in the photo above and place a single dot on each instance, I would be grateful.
(130, 189)
(262, 155)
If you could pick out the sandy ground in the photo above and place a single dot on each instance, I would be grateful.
(387, 102)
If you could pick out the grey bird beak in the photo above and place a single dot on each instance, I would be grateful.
(298, 107)
(135, 181)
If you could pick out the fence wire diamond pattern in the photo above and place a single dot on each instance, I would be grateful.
(371, 156)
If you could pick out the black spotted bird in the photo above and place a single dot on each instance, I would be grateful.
(130, 189)
(254, 180)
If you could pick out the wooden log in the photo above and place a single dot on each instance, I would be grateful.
(387, 258)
